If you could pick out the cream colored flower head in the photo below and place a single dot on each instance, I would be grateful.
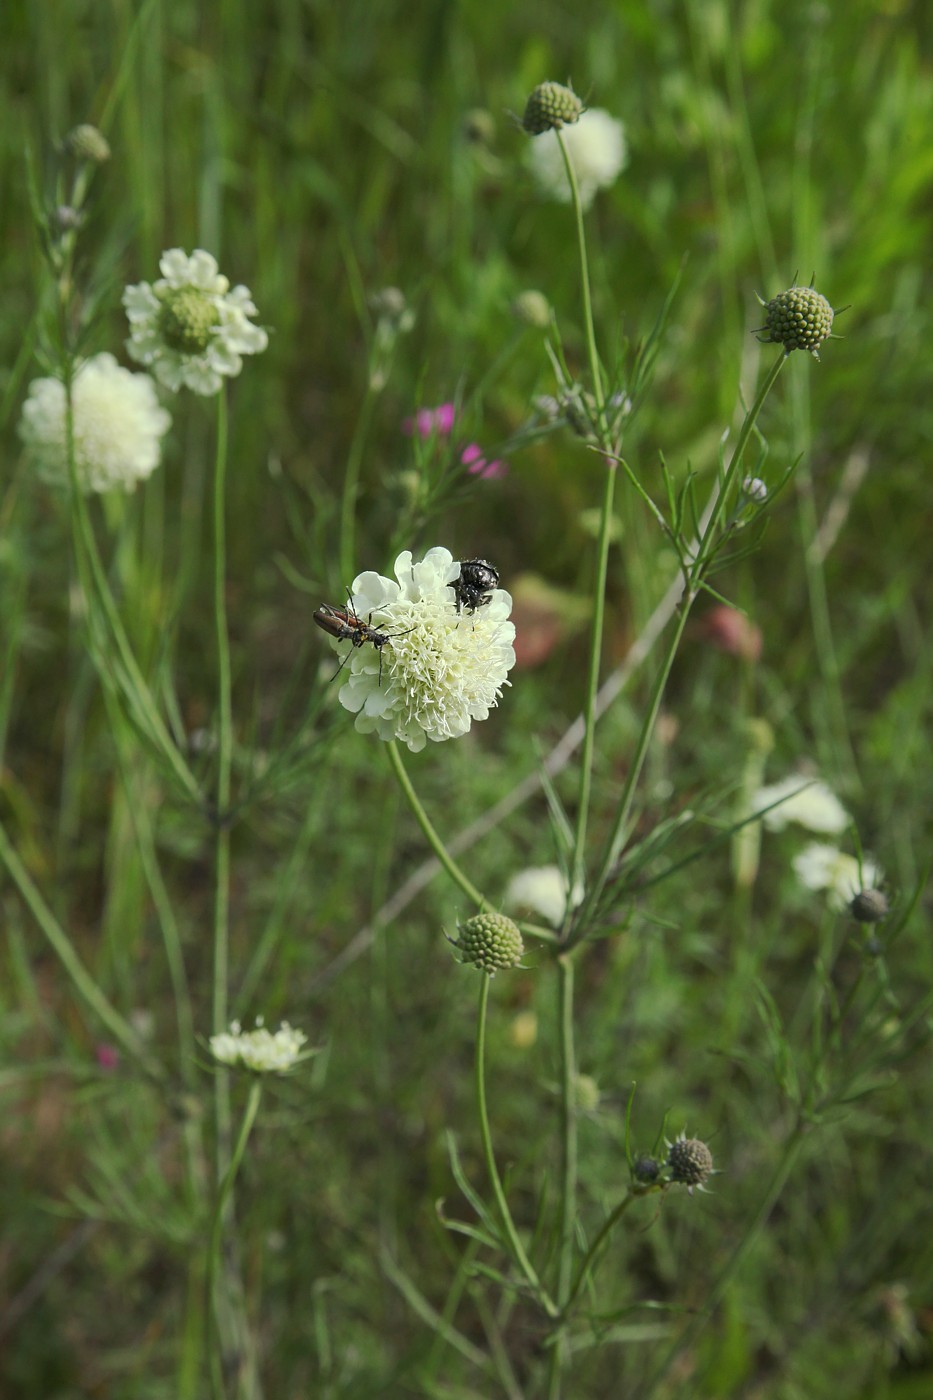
(822, 867)
(597, 149)
(259, 1050)
(189, 326)
(440, 668)
(806, 801)
(541, 890)
(118, 424)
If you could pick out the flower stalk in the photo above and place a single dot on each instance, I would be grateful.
(605, 535)
(431, 835)
(505, 1216)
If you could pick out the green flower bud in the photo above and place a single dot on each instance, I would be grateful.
(550, 107)
(489, 941)
(85, 142)
(532, 309)
(579, 408)
(646, 1169)
(690, 1162)
(389, 302)
(586, 1092)
(798, 319)
(187, 320)
(64, 219)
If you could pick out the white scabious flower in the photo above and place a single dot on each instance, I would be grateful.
(543, 890)
(440, 668)
(822, 867)
(117, 421)
(806, 801)
(597, 149)
(259, 1050)
(189, 325)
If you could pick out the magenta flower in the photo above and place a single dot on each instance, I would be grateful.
(477, 465)
(107, 1056)
(430, 421)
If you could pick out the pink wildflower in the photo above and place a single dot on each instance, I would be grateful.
(430, 421)
(107, 1056)
(477, 465)
(731, 631)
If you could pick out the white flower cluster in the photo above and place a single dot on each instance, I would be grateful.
(117, 424)
(820, 866)
(440, 668)
(259, 1050)
(806, 801)
(189, 326)
(810, 803)
(597, 150)
(541, 889)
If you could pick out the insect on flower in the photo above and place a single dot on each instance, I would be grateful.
(477, 582)
(344, 624)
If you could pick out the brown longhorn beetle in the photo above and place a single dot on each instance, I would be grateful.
(344, 624)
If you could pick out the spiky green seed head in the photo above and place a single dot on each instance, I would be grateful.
(85, 142)
(187, 320)
(799, 319)
(550, 107)
(690, 1161)
(492, 942)
(869, 906)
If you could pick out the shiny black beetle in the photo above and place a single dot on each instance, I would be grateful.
(474, 588)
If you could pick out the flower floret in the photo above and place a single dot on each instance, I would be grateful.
(259, 1050)
(117, 426)
(438, 669)
(189, 325)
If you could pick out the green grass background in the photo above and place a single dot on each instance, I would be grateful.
(319, 151)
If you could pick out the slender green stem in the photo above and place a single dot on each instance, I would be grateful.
(229, 1308)
(61, 944)
(688, 1337)
(605, 532)
(96, 588)
(431, 835)
(505, 1216)
(224, 699)
(171, 938)
(224, 1193)
(568, 1113)
(224, 757)
(595, 371)
(589, 1259)
(620, 826)
(833, 721)
(701, 557)
(694, 575)
(568, 1163)
(351, 480)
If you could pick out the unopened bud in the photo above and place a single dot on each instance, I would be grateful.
(85, 142)
(550, 107)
